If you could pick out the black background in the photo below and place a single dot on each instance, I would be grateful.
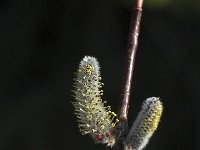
(42, 42)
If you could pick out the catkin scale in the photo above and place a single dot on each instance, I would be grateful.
(145, 124)
(94, 118)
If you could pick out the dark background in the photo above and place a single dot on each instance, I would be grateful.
(42, 42)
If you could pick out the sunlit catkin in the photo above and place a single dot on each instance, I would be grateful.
(145, 124)
(94, 118)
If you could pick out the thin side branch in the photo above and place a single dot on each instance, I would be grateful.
(130, 59)
(121, 128)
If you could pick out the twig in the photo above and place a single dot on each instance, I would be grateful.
(128, 73)
(130, 59)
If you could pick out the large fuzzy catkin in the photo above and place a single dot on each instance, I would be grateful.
(94, 118)
(145, 124)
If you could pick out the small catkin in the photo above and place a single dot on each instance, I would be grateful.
(94, 118)
(144, 126)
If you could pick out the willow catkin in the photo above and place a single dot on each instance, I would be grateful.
(145, 124)
(94, 118)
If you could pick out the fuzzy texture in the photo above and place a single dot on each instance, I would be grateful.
(145, 124)
(94, 118)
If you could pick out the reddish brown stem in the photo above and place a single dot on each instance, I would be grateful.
(130, 59)
(121, 128)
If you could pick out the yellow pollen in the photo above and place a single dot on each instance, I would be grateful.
(113, 124)
(102, 127)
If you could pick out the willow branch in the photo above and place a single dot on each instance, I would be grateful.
(121, 128)
(130, 59)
